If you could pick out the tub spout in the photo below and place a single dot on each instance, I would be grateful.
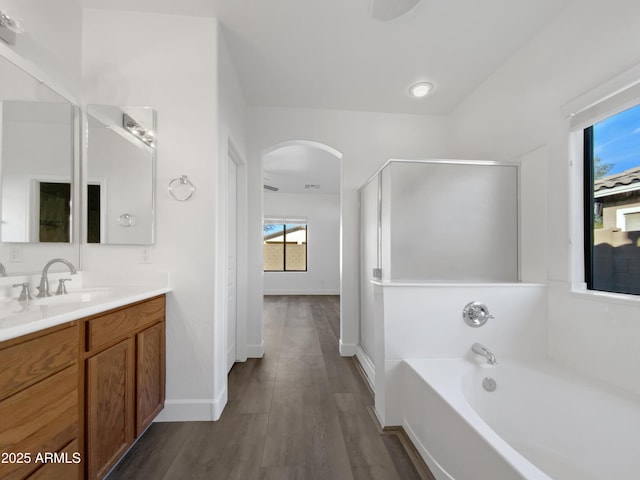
(485, 352)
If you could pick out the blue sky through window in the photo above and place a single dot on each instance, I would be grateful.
(616, 140)
(270, 228)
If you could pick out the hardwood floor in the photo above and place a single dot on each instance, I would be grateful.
(299, 413)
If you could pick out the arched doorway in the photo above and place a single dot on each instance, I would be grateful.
(301, 219)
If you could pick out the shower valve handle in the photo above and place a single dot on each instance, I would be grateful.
(476, 314)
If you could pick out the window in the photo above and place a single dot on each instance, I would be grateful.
(285, 247)
(612, 203)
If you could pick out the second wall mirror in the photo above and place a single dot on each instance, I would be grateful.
(120, 171)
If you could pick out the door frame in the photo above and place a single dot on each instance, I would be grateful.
(232, 153)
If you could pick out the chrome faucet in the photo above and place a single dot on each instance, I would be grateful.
(43, 288)
(485, 352)
(3, 271)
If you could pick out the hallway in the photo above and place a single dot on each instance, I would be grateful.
(298, 413)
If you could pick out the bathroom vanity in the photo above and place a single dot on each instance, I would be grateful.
(124, 366)
(76, 395)
(82, 373)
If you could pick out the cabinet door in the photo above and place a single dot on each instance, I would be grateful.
(150, 375)
(110, 406)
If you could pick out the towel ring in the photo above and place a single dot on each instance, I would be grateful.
(181, 188)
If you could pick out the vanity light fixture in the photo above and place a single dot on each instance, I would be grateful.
(143, 134)
(420, 89)
(9, 26)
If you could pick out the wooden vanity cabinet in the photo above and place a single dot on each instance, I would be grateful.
(81, 393)
(39, 405)
(125, 379)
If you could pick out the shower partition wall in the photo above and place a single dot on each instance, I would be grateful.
(436, 221)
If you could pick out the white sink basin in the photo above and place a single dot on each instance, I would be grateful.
(24, 311)
(79, 296)
(23, 317)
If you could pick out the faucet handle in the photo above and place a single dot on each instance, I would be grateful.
(25, 293)
(62, 288)
(476, 314)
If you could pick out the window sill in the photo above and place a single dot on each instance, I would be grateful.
(580, 290)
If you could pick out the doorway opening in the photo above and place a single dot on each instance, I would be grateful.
(302, 205)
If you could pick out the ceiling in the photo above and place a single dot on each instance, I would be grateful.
(291, 167)
(333, 54)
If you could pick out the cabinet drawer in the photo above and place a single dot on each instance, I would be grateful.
(41, 418)
(26, 363)
(122, 323)
(67, 466)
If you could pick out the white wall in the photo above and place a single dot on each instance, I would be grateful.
(170, 63)
(366, 141)
(517, 110)
(426, 322)
(322, 212)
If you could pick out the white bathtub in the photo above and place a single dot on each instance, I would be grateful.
(541, 422)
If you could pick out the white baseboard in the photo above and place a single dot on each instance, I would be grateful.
(255, 351)
(193, 410)
(347, 349)
(368, 367)
(301, 292)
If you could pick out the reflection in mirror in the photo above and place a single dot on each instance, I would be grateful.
(38, 171)
(120, 175)
(36, 152)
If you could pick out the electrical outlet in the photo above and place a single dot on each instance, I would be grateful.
(15, 253)
(145, 255)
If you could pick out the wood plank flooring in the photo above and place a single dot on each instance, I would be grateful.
(299, 413)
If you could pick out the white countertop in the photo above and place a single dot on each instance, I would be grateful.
(21, 318)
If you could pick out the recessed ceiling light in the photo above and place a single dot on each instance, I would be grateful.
(421, 89)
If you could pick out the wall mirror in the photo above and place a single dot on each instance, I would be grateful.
(38, 168)
(120, 173)
(36, 160)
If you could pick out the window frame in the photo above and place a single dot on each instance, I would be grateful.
(601, 101)
(588, 205)
(284, 247)
(588, 218)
